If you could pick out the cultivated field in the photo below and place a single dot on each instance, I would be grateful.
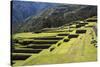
(76, 42)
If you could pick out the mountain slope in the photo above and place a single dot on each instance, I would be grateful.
(57, 16)
(22, 10)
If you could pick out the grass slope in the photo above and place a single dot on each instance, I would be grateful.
(79, 49)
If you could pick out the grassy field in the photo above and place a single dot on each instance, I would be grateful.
(65, 50)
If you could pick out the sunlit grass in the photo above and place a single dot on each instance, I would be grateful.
(77, 49)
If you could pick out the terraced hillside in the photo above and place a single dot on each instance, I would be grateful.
(75, 42)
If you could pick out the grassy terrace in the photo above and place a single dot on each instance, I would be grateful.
(56, 46)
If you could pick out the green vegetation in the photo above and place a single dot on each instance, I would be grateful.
(54, 17)
(58, 45)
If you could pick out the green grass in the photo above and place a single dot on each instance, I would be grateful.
(31, 35)
(77, 49)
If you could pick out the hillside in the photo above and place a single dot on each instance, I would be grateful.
(22, 10)
(57, 16)
(51, 33)
(56, 45)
